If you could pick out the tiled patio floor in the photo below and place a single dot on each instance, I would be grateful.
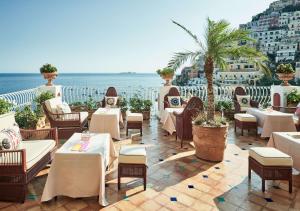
(177, 180)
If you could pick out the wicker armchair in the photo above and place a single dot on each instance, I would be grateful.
(16, 170)
(67, 123)
(111, 92)
(237, 107)
(184, 119)
(172, 92)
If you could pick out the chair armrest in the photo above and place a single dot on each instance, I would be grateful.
(40, 134)
(237, 107)
(75, 116)
(12, 159)
(254, 103)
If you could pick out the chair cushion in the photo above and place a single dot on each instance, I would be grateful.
(174, 101)
(244, 109)
(134, 154)
(35, 150)
(74, 117)
(245, 117)
(110, 101)
(52, 104)
(243, 100)
(134, 117)
(83, 116)
(269, 156)
(63, 108)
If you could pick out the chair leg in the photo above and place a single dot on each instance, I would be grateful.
(249, 172)
(126, 131)
(263, 185)
(235, 126)
(145, 178)
(181, 142)
(119, 178)
(291, 183)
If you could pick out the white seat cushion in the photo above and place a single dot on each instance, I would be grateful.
(52, 104)
(83, 116)
(244, 109)
(35, 150)
(245, 117)
(74, 117)
(133, 154)
(269, 156)
(296, 119)
(134, 117)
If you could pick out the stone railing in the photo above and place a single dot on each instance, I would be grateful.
(82, 94)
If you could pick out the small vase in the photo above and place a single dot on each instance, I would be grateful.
(285, 77)
(168, 79)
(50, 77)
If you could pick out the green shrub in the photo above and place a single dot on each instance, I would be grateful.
(147, 105)
(224, 105)
(26, 118)
(5, 106)
(48, 68)
(123, 104)
(138, 105)
(40, 99)
(293, 97)
(285, 69)
(166, 72)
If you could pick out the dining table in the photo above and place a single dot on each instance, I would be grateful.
(289, 143)
(107, 120)
(168, 119)
(270, 121)
(81, 173)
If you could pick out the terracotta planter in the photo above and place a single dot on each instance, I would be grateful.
(146, 115)
(168, 79)
(50, 77)
(210, 142)
(285, 78)
(123, 115)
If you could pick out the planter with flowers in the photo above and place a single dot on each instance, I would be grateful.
(167, 74)
(285, 72)
(49, 72)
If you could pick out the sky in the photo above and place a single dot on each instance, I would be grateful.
(110, 36)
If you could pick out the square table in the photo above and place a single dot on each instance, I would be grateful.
(168, 119)
(270, 121)
(80, 174)
(289, 143)
(106, 120)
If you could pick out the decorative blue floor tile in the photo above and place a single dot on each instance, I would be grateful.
(31, 197)
(205, 176)
(173, 199)
(269, 200)
(190, 186)
(160, 159)
(125, 198)
(221, 199)
(217, 167)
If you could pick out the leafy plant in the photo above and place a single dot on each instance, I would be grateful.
(224, 105)
(201, 119)
(293, 97)
(123, 103)
(166, 72)
(221, 42)
(26, 118)
(138, 105)
(5, 106)
(285, 69)
(91, 104)
(48, 68)
(40, 99)
(77, 104)
(147, 105)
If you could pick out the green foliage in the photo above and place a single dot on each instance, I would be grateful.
(48, 68)
(138, 105)
(224, 105)
(40, 99)
(5, 106)
(91, 104)
(293, 97)
(123, 103)
(202, 120)
(77, 104)
(26, 118)
(166, 72)
(285, 69)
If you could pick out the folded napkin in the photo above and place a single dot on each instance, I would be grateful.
(83, 146)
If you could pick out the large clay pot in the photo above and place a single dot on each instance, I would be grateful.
(50, 77)
(285, 78)
(146, 115)
(168, 79)
(210, 142)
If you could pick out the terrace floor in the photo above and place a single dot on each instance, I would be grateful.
(176, 172)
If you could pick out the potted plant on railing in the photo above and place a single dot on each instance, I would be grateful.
(285, 72)
(220, 44)
(123, 103)
(138, 105)
(293, 98)
(167, 74)
(49, 72)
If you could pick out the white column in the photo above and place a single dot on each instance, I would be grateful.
(162, 92)
(55, 89)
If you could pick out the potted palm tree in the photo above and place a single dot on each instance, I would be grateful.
(167, 74)
(285, 72)
(221, 42)
(49, 72)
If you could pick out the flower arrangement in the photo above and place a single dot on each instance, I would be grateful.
(293, 98)
(48, 68)
(166, 72)
(285, 69)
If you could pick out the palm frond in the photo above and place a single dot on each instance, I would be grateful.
(181, 57)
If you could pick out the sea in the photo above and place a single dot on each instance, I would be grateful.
(11, 82)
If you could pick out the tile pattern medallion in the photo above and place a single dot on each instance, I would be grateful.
(177, 180)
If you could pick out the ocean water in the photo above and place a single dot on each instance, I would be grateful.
(17, 81)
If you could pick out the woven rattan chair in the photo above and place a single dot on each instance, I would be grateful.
(111, 92)
(241, 91)
(172, 92)
(184, 119)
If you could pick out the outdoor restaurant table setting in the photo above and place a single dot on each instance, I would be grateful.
(107, 120)
(269, 120)
(168, 119)
(289, 143)
(78, 168)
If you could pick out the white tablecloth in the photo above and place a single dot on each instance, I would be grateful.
(288, 144)
(106, 120)
(80, 174)
(272, 121)
(168, 119)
